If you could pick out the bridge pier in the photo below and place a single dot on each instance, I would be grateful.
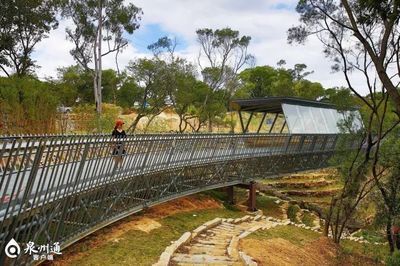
(251, 201)
(230, 195)
(252, 197)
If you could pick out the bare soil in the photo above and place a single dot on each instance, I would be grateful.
(281, 252)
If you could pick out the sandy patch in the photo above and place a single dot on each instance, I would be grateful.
(146, 225)
(281, 252)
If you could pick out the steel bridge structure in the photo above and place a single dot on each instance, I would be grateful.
(62, 188)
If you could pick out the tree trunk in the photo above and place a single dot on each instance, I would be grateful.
(180, 124)
(210, 127)
(135, 122)
(389, 234)
(149, 122)
(99, 67)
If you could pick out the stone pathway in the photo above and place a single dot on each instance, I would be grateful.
(217, 242)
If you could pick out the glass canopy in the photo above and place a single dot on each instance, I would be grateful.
(310, 119)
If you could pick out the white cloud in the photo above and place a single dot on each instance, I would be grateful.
(261, 20)
(265, 21)
(53, 52)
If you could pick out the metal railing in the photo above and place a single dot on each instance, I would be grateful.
(61, 188)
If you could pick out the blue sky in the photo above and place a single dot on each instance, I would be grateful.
(150, 33)
(266, 21)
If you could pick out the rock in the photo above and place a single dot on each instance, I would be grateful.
(186, 237)
(247, 260)
(237, 220)
(257, 217)
(213, 223)
(244, 234)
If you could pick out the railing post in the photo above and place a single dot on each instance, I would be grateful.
(25, 198)
(288, 143)
(301, 143)
(314, 141)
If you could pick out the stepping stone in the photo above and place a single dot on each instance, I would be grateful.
(207, 259)
(207, 251)
(214, 242)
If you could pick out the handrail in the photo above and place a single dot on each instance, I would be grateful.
(58, 181)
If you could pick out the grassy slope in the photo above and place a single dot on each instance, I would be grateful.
(349, 250)
(136, 247)
(141, 248)
(295, 235)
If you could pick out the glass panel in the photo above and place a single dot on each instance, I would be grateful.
(306, 119)
(293, 118)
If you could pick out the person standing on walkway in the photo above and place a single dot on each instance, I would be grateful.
(118, 133)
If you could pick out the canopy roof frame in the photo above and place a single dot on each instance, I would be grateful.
(275, 105)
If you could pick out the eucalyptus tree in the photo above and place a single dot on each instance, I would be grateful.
(23, 24)
(224, 52)
(360, 36)
(100, 26)
(147, 81)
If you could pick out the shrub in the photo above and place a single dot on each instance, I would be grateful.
(292, 213)
(87, 121)
(307, 219)
(394, 259)
(27, 106)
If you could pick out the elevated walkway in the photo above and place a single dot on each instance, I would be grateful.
(62, 188)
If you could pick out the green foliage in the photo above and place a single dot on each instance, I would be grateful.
(129, 93)
(150, 74)
(394, 259)
(283, 85)
(88, 121)
(226, 53)
(371, 236)
(117, 19)
(110, 83)
(76, 82)
(78, 79)
(98, 21)
(308, 90)
(257, 82)
(23, 23)
(151, 77)
(307, 219)
(292, 212)
(264, 81)
(27, 106)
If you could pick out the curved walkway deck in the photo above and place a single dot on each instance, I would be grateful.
(61, 188)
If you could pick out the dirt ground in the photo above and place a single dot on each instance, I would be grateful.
(146, 221)
(186, 204)
(280, 252)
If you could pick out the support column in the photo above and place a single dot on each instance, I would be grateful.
(230, 195)
(252, 197)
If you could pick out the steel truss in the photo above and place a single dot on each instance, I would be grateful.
(62, 188)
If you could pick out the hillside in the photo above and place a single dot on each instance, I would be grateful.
(140, 239)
